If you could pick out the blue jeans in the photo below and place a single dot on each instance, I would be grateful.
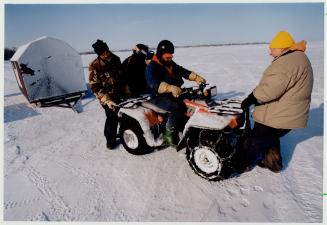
(176, 109)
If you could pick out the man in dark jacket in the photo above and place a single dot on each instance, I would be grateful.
(106, 85)
(133, 68)
(165, 78)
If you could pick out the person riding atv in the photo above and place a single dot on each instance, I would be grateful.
(211, 136)
(164, 79)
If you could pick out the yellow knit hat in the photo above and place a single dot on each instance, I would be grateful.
(282, 40)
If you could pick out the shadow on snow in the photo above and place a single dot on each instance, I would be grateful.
(18, 112)
(296, 136)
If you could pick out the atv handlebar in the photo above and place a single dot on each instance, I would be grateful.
(198, 92)
(193, 88)
(195, 92)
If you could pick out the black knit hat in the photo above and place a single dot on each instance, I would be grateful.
(150, 55)
(143, 48)
(100, 47)
(165, 46)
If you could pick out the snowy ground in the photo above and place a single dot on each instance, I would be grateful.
(57, 168)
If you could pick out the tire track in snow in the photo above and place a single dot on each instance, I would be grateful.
(299, 196)
(87, 178)
(234, 199)
(301, 189)
(14, 204)
(16, 160)
(96, 198)
(61, 209)
(214, 206)
(96, 203)
(40, 217)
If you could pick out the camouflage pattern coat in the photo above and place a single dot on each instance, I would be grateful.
(105, 79)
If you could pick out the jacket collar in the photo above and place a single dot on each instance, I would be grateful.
(169, 69)
(155, 59)
(300, 46)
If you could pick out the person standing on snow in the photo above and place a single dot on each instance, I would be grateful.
(106, 85)
(133, 68)
(282, 102)
(164, 79)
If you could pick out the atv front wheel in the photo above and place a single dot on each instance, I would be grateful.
(132, 138)
(205, 162)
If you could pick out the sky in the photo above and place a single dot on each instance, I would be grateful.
(124, 25)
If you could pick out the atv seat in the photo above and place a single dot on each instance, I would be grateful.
(153, 107)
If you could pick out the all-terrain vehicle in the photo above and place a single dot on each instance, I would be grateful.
(211, 133)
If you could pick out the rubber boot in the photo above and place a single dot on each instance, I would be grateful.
(171, 137)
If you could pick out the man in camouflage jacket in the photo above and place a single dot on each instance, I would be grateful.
(106, 85)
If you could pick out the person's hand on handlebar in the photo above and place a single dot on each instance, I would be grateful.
(248, 101)
(175, 91)
(197, 78)
(112, 105)
(168, 88)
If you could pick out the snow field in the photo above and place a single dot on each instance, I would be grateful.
(57, 168)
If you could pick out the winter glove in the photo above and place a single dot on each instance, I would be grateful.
(197, 78)
(111, 104)
(176, 91)
(248, 101)
(168, 88)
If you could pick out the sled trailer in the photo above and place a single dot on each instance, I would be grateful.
(49, 71)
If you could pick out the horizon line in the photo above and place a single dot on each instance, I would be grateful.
(89, 52)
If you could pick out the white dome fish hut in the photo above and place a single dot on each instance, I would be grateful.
(49, 71)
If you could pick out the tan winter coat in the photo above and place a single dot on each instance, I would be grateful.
(284, 92)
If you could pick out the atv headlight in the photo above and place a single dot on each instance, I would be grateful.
(212, 91)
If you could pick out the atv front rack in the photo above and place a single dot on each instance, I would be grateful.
(227, 107)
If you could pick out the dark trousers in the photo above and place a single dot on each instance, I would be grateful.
(110, 127)
(260, 140)
(176, 109)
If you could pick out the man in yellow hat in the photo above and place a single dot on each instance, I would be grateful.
(282, 102)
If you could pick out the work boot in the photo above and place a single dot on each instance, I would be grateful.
(111, 146)
(261, 164)
(171, 137)
(273, 160)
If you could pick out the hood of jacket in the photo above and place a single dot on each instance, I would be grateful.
(300, 46)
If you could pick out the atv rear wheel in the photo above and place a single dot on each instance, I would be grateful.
(132, 138)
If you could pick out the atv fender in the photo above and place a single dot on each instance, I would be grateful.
(205, 121)
(210, 121)
(138, 114)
